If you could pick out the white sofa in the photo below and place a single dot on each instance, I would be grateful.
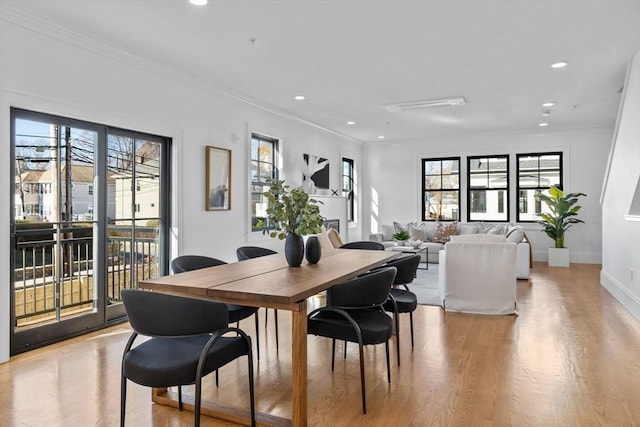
(478, 275)
(426, 231)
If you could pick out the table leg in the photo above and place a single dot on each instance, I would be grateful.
(299, 365)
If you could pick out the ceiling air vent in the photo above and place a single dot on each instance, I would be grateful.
(426, 103)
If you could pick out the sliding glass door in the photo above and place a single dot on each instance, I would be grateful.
(87, 221)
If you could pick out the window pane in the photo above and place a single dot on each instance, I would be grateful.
(498, 180)
(432, 182)
(441, 205)
(451, 182)
(478, 165)
(266, 171)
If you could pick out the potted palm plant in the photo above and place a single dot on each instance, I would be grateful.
(561, 216)
(291, 214)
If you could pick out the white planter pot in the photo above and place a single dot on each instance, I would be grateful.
(559, 257)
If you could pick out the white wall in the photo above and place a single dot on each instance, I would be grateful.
(394, 180)
(63, 75)
(621, 238)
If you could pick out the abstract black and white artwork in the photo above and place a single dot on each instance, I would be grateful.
(315, 174)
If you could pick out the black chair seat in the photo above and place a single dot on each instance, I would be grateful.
(376, 326)
(405, 300)
(164, 362)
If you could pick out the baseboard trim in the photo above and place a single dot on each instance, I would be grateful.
(622, 294)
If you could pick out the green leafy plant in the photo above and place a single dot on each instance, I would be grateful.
(291, 211)
(562, 215)
(401, 236)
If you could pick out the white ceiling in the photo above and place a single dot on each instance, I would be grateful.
(351, 57)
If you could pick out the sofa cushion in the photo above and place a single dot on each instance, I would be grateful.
(468, 229)
(444, 230)
(478, 238)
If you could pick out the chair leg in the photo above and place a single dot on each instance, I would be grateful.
(362, 385)
(251, 390)
(411, 320)
(386, 347)
(345, 350)
(333, 353)
(196, 410)
(180, 398)
(275, 315)
(217, 379)
(396, 318)
(257, 335)
(123, 399)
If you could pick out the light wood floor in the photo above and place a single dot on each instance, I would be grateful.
(570, 358)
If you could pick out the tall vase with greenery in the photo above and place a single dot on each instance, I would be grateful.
(291, 214)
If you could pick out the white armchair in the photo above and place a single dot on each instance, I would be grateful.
(478, 275)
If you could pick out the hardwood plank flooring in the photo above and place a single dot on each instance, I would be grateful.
(570, 358)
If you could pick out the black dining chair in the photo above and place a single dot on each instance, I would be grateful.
(401, 299)
(355, 313)
(364, 244)
(248, 252)
(237, 313)
(188, 339)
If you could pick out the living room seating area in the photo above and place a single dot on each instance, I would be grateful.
(435, 234)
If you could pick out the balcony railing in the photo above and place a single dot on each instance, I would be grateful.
(41, 282)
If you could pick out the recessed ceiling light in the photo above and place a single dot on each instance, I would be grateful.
(381, 137)
(199, 2)
(548, 104)
(543, 124)
(298, 97)
(546, 113)
(351, 123)
(560, 64)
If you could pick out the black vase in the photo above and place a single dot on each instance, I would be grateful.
(294, 249)
(312, 250)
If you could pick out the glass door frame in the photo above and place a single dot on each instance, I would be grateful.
(102, 313)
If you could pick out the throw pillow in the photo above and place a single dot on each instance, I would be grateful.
(387, 231)
(418, 232)
(334, 237)
(497, 229)
(400, 227)
(444, 231)
(515, 234)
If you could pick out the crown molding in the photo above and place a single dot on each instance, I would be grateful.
(13, 14)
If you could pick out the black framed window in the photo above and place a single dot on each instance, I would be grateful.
(536, 173)
(263, 166)
(441, 189)
(348, 187)
(488, 188)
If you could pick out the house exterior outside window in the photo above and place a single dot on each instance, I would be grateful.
(263, 166)
(488, 184)
(441, 189)
(536, 173)
(348, 187)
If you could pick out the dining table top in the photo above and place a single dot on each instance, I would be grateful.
(268, 281)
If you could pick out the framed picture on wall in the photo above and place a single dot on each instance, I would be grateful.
(218, 185)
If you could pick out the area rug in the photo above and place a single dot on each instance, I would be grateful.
(425, 285)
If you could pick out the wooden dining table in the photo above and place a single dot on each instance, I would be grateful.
(269, 282)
